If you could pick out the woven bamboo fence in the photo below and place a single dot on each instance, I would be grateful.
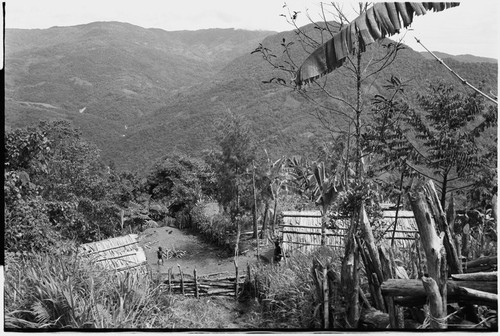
(301, 231)
(218, 284)
(117, 254)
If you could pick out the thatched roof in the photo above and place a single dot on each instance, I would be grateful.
(118, 254)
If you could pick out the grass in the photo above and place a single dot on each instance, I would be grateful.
(65, 292)
(59, 292)
(286, 292)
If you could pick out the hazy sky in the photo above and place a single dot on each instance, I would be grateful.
(471, 28)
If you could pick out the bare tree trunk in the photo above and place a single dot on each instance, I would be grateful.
(275, 215)
(422, 201)
(397, 206)
(324, 222)
(439, 216)
(436, 307)
(349, 276)
(263, 233)
(254, 213)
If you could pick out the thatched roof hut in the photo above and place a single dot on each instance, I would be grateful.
(118, 254)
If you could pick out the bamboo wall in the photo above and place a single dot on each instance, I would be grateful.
(301, 231)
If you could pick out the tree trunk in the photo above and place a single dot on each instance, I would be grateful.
(389, 272)
(374, 265)
(254, 213)
(263, 233)
(275, 215)
(398, 205)
(324, 222)
(349, 276)
(424, 209)
(436, 308)
(440, 218)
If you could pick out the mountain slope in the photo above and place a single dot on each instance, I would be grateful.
(142, 93)
(460, 58)
(113, 70)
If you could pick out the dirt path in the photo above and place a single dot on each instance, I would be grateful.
(205, 258)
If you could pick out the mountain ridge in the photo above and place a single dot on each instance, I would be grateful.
(141, 93)
(466, 58)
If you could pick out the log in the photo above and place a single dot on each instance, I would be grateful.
(487, 299)
(373, 319)
(479, 276)
(414, 288)
(436, 309)
(467, 297)
(481, 264)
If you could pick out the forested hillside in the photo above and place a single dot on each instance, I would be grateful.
(142, 93)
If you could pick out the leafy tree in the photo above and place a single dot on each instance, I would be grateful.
(232, 164)
(27, 226)
(67, 182)
(447, 137)
(178, 181)
(27, 150)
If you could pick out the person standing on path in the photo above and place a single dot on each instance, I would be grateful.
(160, 255)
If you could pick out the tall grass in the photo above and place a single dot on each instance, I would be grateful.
(59, 292)
(286, 292)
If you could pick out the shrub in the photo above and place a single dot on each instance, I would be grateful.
(287, 293)
(61, 291)
(215, 230)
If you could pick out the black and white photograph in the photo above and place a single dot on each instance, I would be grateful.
(263, 166)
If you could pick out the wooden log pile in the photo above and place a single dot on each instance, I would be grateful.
(470, 283)
(207, 285)
(473, 288)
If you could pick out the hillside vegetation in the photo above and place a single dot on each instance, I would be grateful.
(141, 93)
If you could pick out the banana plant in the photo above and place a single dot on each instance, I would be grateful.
(325, 193)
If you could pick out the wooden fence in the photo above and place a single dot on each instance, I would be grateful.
(218, 284)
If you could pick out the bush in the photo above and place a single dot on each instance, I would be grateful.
(215, 230)
(60, 291)
(286, 293)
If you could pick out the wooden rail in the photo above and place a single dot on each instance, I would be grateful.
(203, 285)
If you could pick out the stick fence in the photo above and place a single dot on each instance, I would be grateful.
(203, 285)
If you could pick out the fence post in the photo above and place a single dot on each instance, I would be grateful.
(195, 284)
(170, 280)
(236, 284)
(326, 300)
(182, 279)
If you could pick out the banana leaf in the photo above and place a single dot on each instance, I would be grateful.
(379, 21)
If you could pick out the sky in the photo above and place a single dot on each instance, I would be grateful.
(471, 28)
